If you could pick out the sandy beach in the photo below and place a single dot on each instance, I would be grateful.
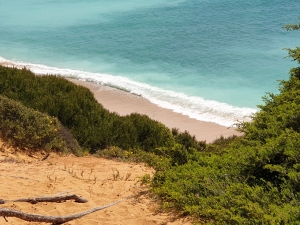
(125, 103)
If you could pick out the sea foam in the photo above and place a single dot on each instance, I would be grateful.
(194, 107)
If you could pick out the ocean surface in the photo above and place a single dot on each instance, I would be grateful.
(212, 60)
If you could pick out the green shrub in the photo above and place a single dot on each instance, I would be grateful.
(187, 140)
(252, 179)
(76, 108)
(150, 133)
(27, 128)
(115, 153)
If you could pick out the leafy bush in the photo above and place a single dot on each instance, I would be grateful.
(187, 140)
(252, 179)
(76, 108)
(150, 134)
(27, 128)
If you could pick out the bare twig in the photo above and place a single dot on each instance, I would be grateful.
(52, 219)
(45, 157)
(5, 218)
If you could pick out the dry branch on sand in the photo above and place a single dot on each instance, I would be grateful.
(47, 199)
(5, 212)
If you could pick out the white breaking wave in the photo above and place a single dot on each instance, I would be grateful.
(191, 106)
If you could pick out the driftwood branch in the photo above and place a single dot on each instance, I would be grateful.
(52, 219)
(48, 199)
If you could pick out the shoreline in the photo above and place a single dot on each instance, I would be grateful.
(125, 103)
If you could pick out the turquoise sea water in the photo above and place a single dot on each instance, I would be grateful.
(212, 60)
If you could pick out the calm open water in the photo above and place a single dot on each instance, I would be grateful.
(210, 59)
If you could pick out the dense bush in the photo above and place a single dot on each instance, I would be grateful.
(74, 106)
(26, 128)
(252, 179)
(187, 140)
(215, 197)
(150, 134)
(93, 126)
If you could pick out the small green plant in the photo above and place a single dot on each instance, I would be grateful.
(113, 153)
(144, 180)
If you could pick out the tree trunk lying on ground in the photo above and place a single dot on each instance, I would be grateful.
(5, 212)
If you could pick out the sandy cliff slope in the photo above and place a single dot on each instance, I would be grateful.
(100, 181)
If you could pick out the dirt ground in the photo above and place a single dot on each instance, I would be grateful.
(101, 181)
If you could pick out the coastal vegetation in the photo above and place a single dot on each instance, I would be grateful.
(26, 128)
(253, 179)
(76, 108)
